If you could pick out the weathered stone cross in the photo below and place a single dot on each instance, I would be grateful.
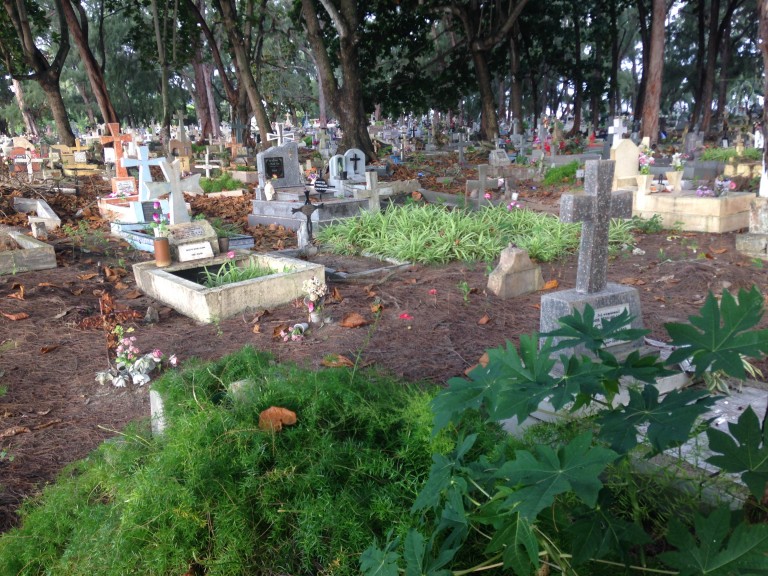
(238, 128)
(594, 209)
(117, 139)
(307, 209)
(618, 130)
(143, 163)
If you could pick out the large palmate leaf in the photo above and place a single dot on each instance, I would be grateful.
(712, 551)
(580, 329)
(718, 338)
(514, 537)
(441, 476)
(375, 561)
(574, 467)
(745, 450)
(598, 534)
(669, 421)
(510, 384)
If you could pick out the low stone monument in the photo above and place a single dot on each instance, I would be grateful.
(755, 242)
(594, 209)
(515, 275)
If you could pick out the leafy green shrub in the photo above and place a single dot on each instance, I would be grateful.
(726, 154)
(572, 503)
(219, 184)
(216, 495)
(432, 234)
(565, 174)
(652, 225)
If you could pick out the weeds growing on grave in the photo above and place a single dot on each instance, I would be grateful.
(435, 235)
(725, 154)
(229, 272)
(565, 174)
(575, 503)
(216, 495)
(220, 184)
(85, 238)
(652, 225)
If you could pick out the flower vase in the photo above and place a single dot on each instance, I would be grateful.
(223, 245)
(644, 183)
(316, 316)
(162, 251)
(675, 180)
(315, 310)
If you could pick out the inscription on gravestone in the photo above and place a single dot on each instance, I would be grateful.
(148, 210)
(321, 186)
(274, 167)
(188, 233)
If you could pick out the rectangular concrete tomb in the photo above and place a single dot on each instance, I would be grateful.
(177, 285)
(22, 253)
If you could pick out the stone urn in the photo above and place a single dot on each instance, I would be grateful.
(675, 179)
(644, 183)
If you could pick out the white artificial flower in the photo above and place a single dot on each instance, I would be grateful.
(119, 381)
(139, 379)
(103, 377)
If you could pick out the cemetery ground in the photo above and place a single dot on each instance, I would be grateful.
(419, 323)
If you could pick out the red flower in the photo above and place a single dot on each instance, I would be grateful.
(406, 316)
(433, 292)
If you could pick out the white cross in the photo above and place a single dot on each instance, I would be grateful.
(207, 166)
(173, 187)
(143, 162)
(281, 136)
(618, 130)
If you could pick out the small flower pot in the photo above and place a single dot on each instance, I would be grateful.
(162, 252)
(223, 245)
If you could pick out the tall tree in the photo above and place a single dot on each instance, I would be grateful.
(653, 74)
(78, 27)
(763, 27)
(23, 60)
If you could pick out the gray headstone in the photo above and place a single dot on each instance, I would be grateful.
(515, 275)
(280, 165)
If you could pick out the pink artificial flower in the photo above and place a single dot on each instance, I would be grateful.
(488, 196)
(157, 354)
(406, 316)
(156, 205)
(433, 292)
(156, 217)
(732, 186)
(231, 254)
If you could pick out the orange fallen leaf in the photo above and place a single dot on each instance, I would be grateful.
(274, 417)
(18, 295)
(376, 307)
(336, 295)
(660, 299)
(484, 320)
(718, 250)
(551, 285)
(369, 292)
(417, 196)
(47, 424)
(537, 306)
(336, 361)
(410, 281)
(256, 329)
(46, 349)
(708, 256)
(132, 295)
(13, 431)
(632, 281)
(120, 285)
(353, 320)
(276, 332)
(47, 284)
(88, 276)
(16, 316)
(482, 361)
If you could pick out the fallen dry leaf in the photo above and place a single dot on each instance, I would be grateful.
(16, 316)
(18, 295)
(88, 276)
(483, 361)
(47, 424)
(120, 285)
(537, 306)
(46, 349)
(77, 291)
(376, 307)
(256, 329)
(708, 256)
(632, 281)
(718, 250)
(551, 284)
(484, 320)
(336, 295)
(274, 417)
(47, 284)
(276, 332)
(43, 412)
(417, 196)
(369, 291)
(660, 299)
(352, 320)
(13, 431)
(132, 295)
(336, 361)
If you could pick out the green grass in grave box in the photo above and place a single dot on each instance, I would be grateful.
(226, 273)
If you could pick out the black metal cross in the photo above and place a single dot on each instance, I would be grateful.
(355, 159)
(308, 209)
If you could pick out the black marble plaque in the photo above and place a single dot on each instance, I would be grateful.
(274, 167)
(149, 210)
(321, 185)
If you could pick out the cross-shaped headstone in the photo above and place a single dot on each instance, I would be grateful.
(281, 136)
(594, 209)
(307, 210)
(117, 139)
(618, 130)
(143, 162)
(207, 166)
(178, 208)
(371, 191)
(461, 144)
(181, 132)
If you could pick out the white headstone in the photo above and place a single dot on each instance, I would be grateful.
(354, 165)
(618, 130)
(143, 162)
(336, 168)
(626, 155)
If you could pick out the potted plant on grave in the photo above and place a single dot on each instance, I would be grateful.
(644, 178)
(224, 231)
(161, 243)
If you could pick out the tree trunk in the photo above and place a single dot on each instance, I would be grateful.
(711, 66)
(698, 101)
(652, 99)
(200, 95)
(49, 82)
(722, 88)
(763, 33)
(29, 121)
(516, 82)
(80, 86)
(577, 77)
(165, 122)
(613, 91)
(489, 127)
(79, 31)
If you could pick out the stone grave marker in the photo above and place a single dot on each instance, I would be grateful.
(306, 211)
(626, 156)
(142, 162)
(178, 209)
(371, 191)
(336, 173)
(354, 165)
(594, 209)
(515, 274)
(499, 157)
(280, 166)
(193, 240)
(755, 242)
(207, 166)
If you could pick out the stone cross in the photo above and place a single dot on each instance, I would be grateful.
(143, 163)
(117, 139)
(178, 208)
(461, 145)
(618, 130)
(594, 209)
(77, 149)
(307, 209)
(207, 166)
(371, 191)
(238, 128)
(281, 136)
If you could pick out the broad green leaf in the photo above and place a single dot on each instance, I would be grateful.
(712, 551)
(669, 421)
(579, 329)
(414, 553)
(598, 533)
(441, 475)
(515, 538)
(718, 338)
(745, 450)
(377, 562)
(576, 466)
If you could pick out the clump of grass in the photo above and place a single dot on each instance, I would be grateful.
(219, 184)
(726, 154)
(229, 272)
(565, 174)
(216, 495)
(431, 234)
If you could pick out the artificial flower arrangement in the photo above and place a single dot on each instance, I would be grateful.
(159, 221)
(645, 160)
(316, 291)
(295, 333)
(131, 366)
(678, 160)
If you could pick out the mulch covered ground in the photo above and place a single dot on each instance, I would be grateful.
(434, 324)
